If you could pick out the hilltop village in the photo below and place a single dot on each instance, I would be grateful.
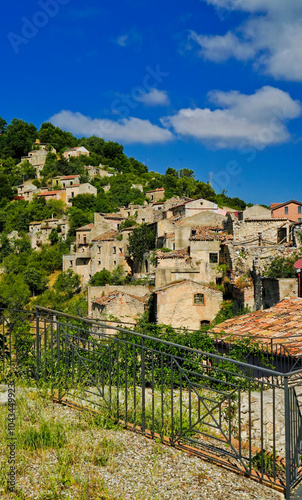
(177, 258)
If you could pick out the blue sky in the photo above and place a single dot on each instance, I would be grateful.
(212, 85)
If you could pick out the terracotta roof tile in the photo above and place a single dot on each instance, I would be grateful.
(49, 193)
(281, 324)
(108, 236)
(106, 299)
(174, 254)
(88, 227)
(207, 233)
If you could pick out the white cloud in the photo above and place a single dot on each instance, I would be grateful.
(257, 119)
(122, 40)
(271, 37)
(154, 98)
(132, 38)
(220, 48)
(289, 6)
(127, 130)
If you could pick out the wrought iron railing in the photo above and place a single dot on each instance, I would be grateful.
(240, 415)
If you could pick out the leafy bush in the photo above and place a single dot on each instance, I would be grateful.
(282, 267)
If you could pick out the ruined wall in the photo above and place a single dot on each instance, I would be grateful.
(249, 228)
(274, 290)
(123, 307)
(175, 305)
(97, 291)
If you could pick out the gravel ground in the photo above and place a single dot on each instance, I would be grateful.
(138, 468)
(149, 470)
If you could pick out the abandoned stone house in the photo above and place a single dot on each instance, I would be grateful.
(109, 250)
(174, 266)
(267, 230)
(37, 156)
(75, 152)
(69, 192)
(193, 207)
(39, 232)
(118, 305)
(75, 189)
(27, 191)
(97, 171)
(186, 303)
(95, 252)
(200, 257)
(156, 194)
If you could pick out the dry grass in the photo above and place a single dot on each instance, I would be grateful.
(59, 452)
(67, 454)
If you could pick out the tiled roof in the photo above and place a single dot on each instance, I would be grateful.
(106, 299)
(279, 205)
(108, 236)
(175, 254)
(69, 177)
(298, 264)
(49, 193)
(281, 324)
(183, 281)
(155, 190)
(207, 233)
(88, 227)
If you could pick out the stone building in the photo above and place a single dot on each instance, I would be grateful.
(193, 207)
(75, 152)
(156, 194)
(74, 190)
(139, 291)
(53, 195)
(118, 305)
(109, 250)
(97, 171)
(37, 157)
(39, 231)
(184, 226)
(61, 181)
(276, 289)
(96, 249)
(267, 230)
(255, 212)
(174, 266)
(187, 303)
(27, 190)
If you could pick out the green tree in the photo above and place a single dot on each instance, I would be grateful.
(282, 267)
(59, 139)
(35, 279)
(67, 282)
(141, 240)
(85, 202)
(101, 278)
(18, 138)
(78, 218)
(14, 292)
(3, 125)
(6, 192)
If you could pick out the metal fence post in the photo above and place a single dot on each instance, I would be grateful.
(143, 387)
(37, 346)
(287, 438)
(58, 361)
